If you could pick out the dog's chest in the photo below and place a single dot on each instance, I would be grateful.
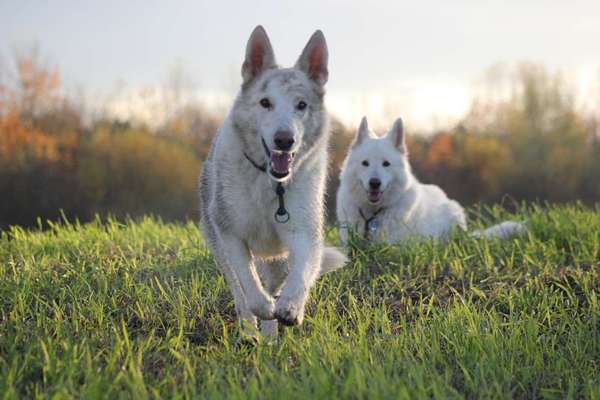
(254, 219)
(394, 228)
(383, 226)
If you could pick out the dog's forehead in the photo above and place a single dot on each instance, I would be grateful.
(376, 148)
(284, 80)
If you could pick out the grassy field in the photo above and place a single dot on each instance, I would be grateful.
(138, 310)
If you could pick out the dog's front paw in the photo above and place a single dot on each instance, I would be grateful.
(289, 312)
(245, 341)
(263, 307)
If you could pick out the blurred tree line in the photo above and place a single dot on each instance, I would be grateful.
(51, 162)
(530, 145)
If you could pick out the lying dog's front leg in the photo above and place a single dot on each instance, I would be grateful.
(305, 261)
(258, 301)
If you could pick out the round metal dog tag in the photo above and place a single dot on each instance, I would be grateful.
(373, 225)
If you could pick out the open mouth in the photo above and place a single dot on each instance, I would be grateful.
(374, 196)
(280, 162)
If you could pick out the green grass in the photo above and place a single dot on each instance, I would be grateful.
(138, 310)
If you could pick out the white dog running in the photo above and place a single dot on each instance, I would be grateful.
(262, 186)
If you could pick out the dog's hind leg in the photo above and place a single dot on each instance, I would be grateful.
(273, 273)
(246, 318)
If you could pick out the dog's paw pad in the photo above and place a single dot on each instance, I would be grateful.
(288, 314)
(246, 341)
(287, 319)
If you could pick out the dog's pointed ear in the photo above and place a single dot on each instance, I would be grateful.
(314, 57)
(363, 132)
(259, 55)
(397, 137)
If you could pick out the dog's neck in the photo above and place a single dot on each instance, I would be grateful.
(281, 215)
(369, 221)
(261, 167)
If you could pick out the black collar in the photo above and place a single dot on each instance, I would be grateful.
(368, 220)
(281, 215)
(262, 167)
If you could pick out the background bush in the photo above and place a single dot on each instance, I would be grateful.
(533, 144)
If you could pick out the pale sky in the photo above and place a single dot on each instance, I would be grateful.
(416, 59)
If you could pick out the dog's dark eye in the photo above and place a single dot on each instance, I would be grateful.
(365, 163)
(265, 103)
(386, 164)
(301, 105)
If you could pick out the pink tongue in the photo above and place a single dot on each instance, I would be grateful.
(280, 162)
(374, 196)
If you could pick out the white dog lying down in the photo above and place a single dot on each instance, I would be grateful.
(380, 198)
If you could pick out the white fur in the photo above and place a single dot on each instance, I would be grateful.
(407, 208)
(261, 258)
(502, 230)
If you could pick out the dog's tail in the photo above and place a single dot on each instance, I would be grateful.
(332, 259)
(503, 230)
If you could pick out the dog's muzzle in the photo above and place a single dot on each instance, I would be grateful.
(374, 193)
(280, 162)
(374, 196)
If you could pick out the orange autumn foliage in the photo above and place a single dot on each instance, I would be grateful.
(20, 142)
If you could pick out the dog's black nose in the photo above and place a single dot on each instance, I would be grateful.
(374, 183)
(284, 140)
